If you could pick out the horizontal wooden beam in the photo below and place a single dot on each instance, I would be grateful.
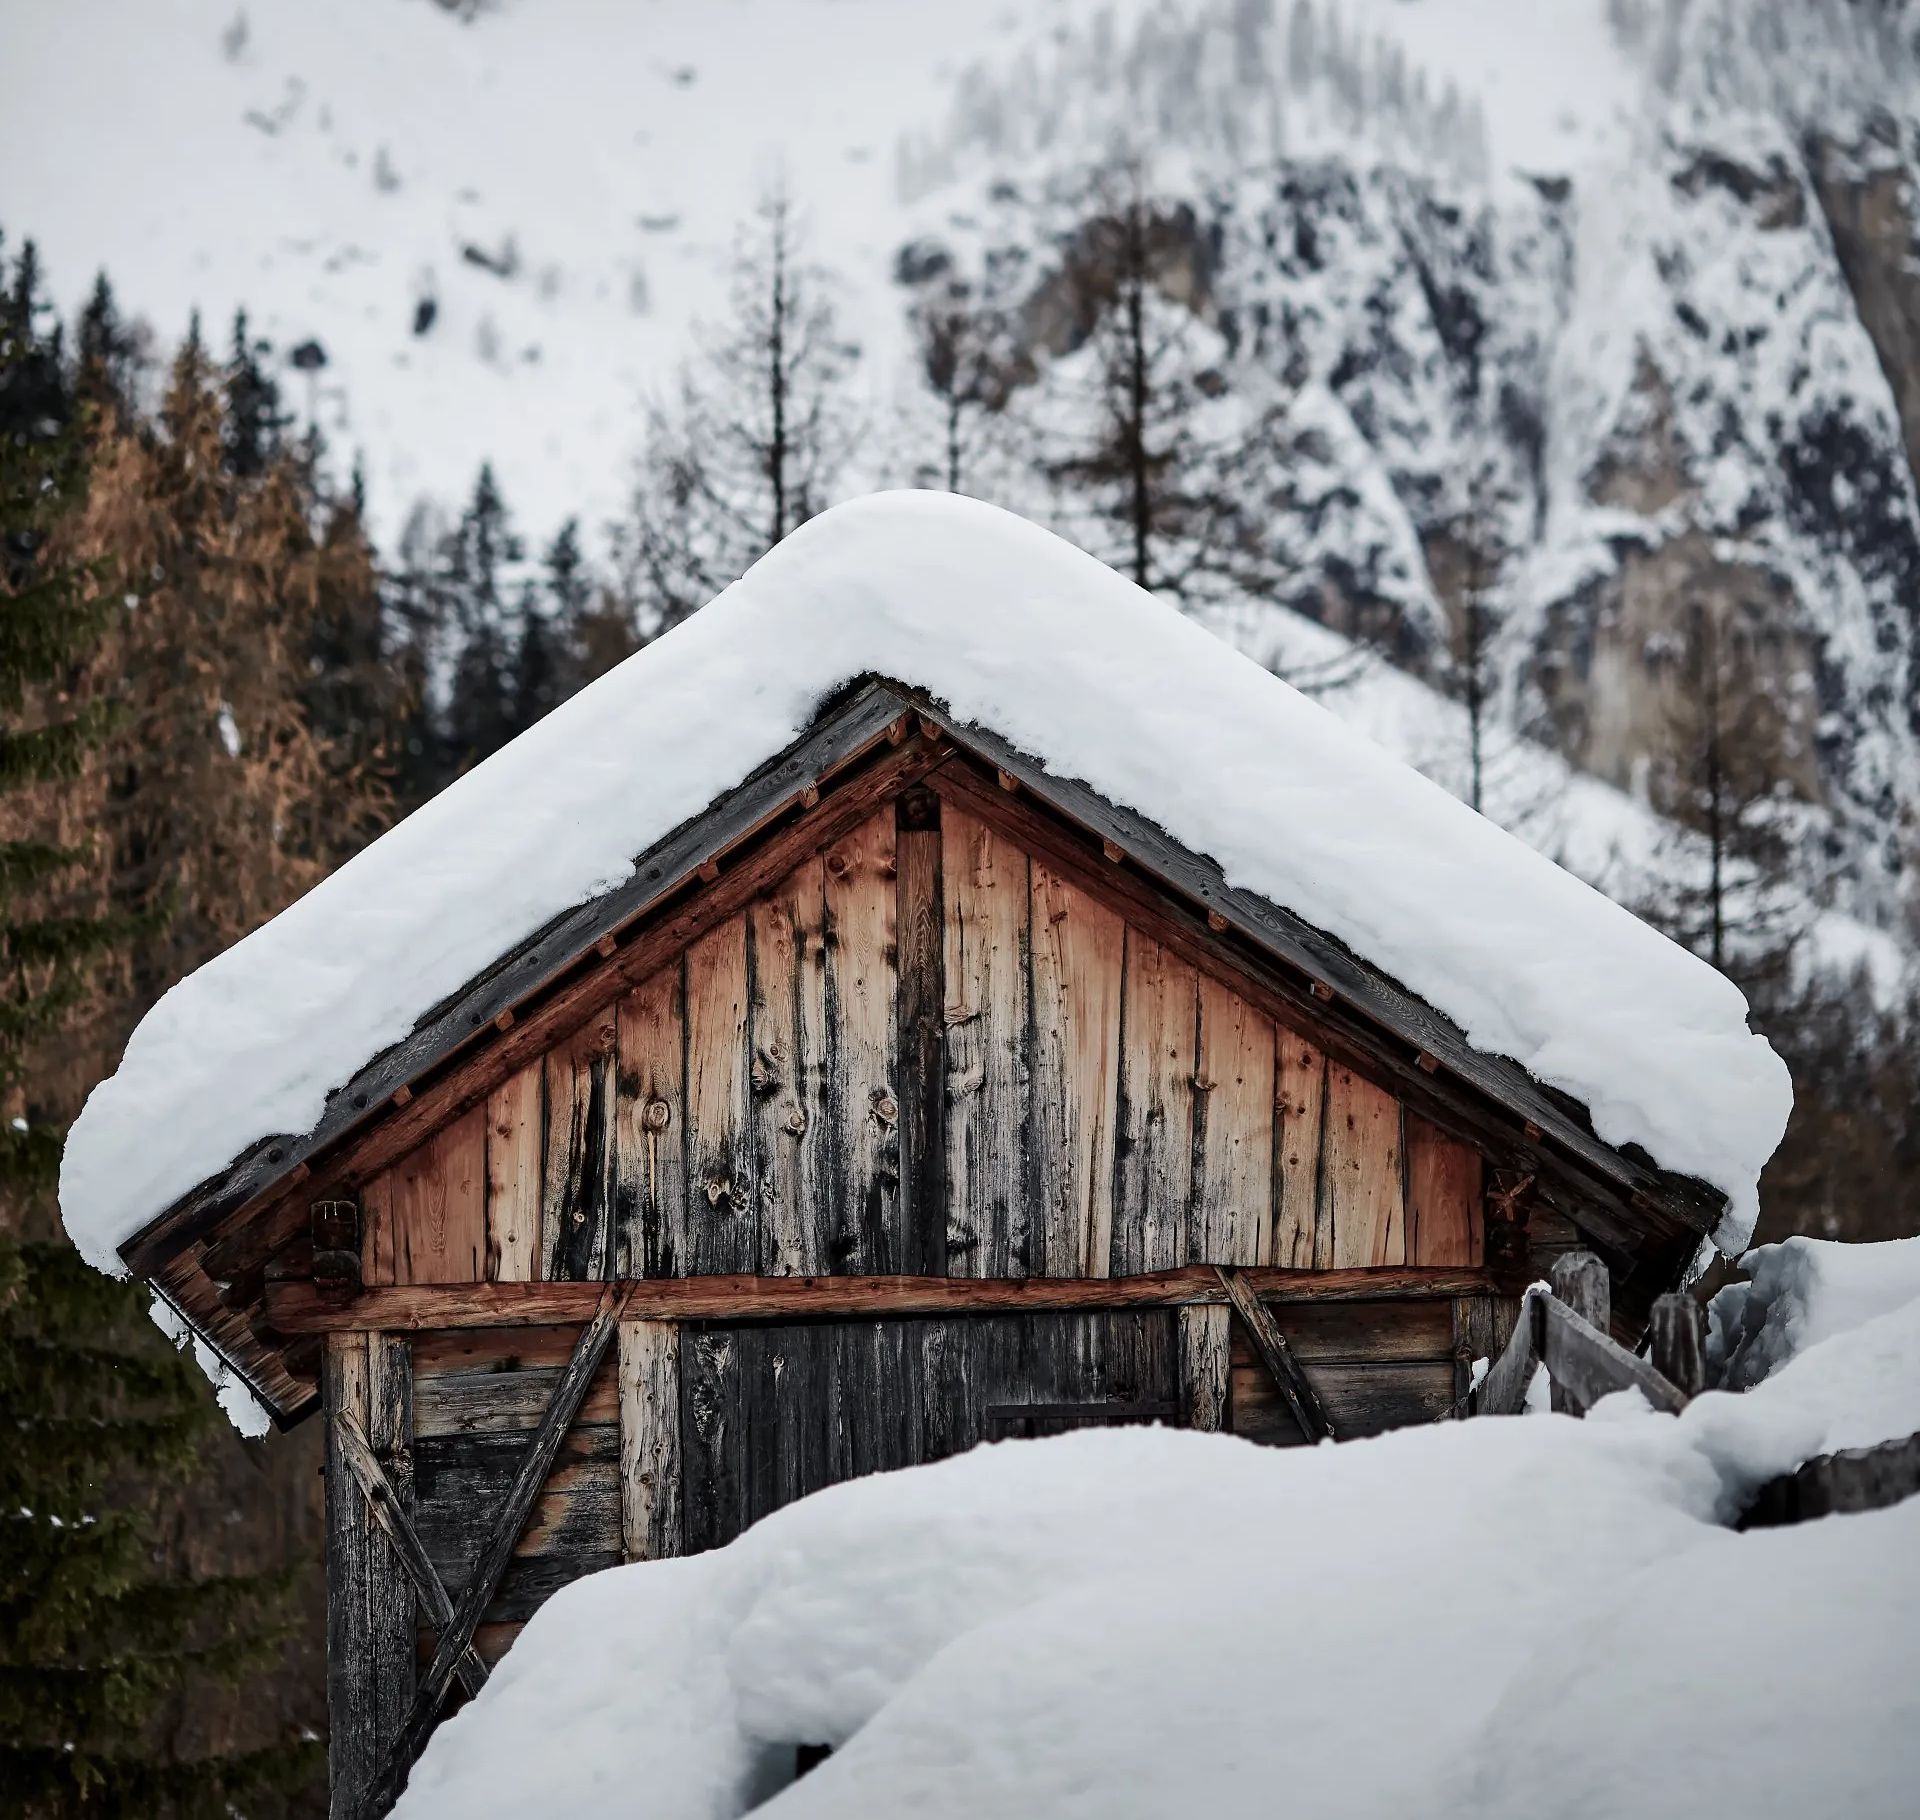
(295, 1307)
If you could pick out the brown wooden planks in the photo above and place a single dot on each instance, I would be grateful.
(1302, 1238)
(1206, 1358)
(1361, 1183)
(862, 1103)
(793, 1134)
(984, 880)
(651, 1527)
(1230, 1215)
(1153, 1171)
(722, 1223)
(438, 1206)
(649, 1129)
(493, 1401)
(516, 1138)
(920, 922)
(1443, 1197)
(376, 1230)
(575, 1216)
(1079, 951)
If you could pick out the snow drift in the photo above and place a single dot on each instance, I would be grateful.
(1522, 1617)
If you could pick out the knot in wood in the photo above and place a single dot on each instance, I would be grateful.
(658, 1114)
(797, 1120)
(885, 1108)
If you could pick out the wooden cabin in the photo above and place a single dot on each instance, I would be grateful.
(911, 1096)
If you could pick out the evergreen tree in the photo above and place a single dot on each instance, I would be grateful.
(475, 583)
(256, 425)
(108, 353)
(751, 447)
(96, 1639)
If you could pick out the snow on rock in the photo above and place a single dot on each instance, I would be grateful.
(1800, 1293)
(1098, 1625)
(1018, 632)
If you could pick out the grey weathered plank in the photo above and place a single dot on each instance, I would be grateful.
(986, 895)
(1833, 1484)
(1230, 1213)
(1206, 1367)
(1503, 1391)
(1153, 1176)
(1589, 1364)
(649, 1129)
(1302, 1223)
(1270, 1343)
(1078, 954)
(862, 1112)
(651, 1527)
(390, 1600)
(383, 1501)
(722, 1221)
(491, 1562)
(793, 1129)
(1580, 1282)
(577, 1183)
(353, 1717)
(491, 1400)
(920, 922)
(1677, 1342)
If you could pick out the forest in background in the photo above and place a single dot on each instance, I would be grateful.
(217, 689)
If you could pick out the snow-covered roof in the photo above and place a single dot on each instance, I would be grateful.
(1016, 632)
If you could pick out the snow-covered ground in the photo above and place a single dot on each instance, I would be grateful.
(1534, 1617)
(1015, 631)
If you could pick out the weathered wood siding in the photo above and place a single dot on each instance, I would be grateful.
(1373, 1365)
(923, 1051)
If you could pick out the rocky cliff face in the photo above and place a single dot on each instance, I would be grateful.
(1663, 420)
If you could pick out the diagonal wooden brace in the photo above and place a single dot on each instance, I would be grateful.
(491, 1566)
(378, 1489)
(1277, 1356)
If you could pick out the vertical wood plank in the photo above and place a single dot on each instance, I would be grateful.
(516, 1139)
(376, 1230)
(863, 1108)
(1443, 1196)
(576, 1193)
(723, 1230)
(921, 922)
(714, 1437)
(1078, 953)
(1362, 1185)
(353, 1711)
(650, 1470)
(789, 1037)
(649, 1130)
(390, 1594)
(1230, 1219)
(1206, 1366)
(438, 1209)
(1299, 1099)
(985, 885)
(1154, 1167)
(1476, 1336)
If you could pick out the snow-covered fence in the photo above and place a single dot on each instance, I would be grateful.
(1564, 1328)
(1855, 1479)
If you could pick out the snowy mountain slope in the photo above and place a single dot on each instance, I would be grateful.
(1622, 290)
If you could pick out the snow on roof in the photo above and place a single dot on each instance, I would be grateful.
(1563, 1626)
(1018, 632)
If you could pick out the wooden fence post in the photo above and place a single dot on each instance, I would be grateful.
(1677, 1343)
(1580, 1281)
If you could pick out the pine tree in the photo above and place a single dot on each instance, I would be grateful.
(751, 446)
(108, 352)
(475, 585)
(96, 1642)
(256, 425)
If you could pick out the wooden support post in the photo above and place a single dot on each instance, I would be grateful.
(1206, 1366)
(528, 1479)
(650, 1469)
(1677, 1343)
(1277, 1356)
(1590, 1365)
(384, 1502)
(1580, 1282)
(1503, 1391)
(366, 1384)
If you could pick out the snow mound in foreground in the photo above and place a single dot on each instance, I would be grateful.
(1524, 1617)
